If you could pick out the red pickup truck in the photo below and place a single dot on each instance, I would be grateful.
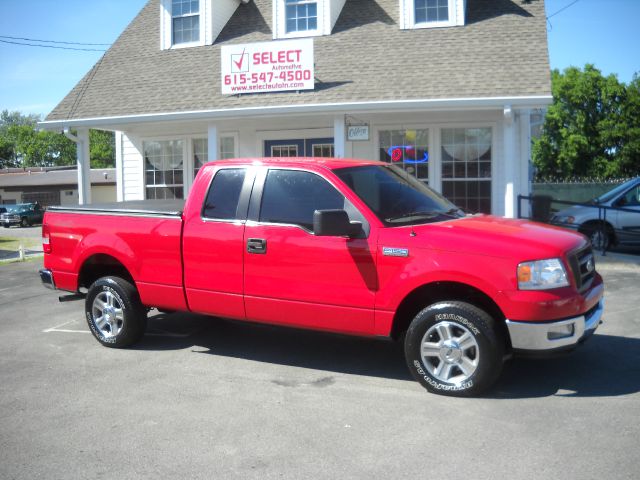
(349, 246)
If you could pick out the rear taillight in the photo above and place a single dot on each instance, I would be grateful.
(46, 239)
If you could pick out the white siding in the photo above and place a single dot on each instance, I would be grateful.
(133, 167)
(336, 8)
(221, 12)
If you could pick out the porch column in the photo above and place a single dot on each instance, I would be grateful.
(524, 120)
(84, 169)
(339, 135)
(509, 132)
(119, 168)
(213, 142)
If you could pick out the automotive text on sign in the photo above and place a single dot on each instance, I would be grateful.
(267, 67)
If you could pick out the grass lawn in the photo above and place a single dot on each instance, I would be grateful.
(12, 243)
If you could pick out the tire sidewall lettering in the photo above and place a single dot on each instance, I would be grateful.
(441, 386)
(454, 317)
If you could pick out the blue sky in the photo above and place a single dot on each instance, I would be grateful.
(34, 80)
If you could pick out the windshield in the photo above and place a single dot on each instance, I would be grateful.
(396, 197)
(610, 195)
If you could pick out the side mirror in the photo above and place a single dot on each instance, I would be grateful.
(334, 223)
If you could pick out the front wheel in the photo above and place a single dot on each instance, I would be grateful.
(24, 222)
(600, 237)
(452, 348)
(114, 312)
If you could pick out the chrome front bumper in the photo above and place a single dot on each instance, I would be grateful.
(47, 278)
(548, 336)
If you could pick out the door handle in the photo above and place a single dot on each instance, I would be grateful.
(256, 245)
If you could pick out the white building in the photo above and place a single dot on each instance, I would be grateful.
(444, 88)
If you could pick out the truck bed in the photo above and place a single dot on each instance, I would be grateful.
(137, 208)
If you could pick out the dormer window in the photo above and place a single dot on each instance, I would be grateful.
(301, 15)
(431, 13)
(185, 19)
(193, 23)
(305, 18)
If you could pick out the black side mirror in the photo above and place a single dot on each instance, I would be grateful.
(334, 223)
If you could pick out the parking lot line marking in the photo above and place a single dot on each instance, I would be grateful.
(57, 326)
(66, 331)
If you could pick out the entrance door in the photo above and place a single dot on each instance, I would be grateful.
(310, 147)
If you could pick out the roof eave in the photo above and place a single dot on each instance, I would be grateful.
(445, 104)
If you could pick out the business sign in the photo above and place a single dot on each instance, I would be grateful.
(357, 133)
(267, 67)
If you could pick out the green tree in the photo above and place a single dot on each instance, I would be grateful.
(583, 134)
(102, 149)
(22, 145)
(629, 152)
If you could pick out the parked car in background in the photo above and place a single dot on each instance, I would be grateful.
(23, 214)
(603, 226)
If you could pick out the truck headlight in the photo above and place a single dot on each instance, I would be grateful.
(542, 275)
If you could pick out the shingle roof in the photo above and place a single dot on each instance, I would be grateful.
(500, 52)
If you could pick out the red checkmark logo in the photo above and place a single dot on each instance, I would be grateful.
(238, 63)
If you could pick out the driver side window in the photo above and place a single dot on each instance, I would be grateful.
(292, 196)
(632, 198)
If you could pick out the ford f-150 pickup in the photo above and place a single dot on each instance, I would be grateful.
(348, 246)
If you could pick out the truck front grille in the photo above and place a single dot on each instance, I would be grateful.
(583, 267)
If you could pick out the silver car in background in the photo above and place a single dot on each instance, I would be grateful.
(603, 226)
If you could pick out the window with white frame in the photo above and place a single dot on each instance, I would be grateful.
(408, 149)
(301, 16)
(431, 13)
(227, 146)
(227, 149)
(284, 150)
(200, 154)
(185, 21)
(163, 166)
(466, 167)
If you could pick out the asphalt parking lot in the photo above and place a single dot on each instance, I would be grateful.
(208, 398)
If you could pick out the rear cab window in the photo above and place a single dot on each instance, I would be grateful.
(223, 198)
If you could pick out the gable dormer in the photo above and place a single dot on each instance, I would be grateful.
(305, 18)
(192, 23)
(432, 13)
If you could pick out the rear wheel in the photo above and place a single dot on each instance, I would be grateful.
(114, 312)
(452, 348)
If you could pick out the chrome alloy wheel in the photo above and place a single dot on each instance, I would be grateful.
(449, 352)
(107, 314)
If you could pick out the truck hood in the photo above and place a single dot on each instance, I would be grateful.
(497, 237)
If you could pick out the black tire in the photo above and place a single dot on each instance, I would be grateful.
(24, 222)
(600, 236)
(123, 320)
(465, 364)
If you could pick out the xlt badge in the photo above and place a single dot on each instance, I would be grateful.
(395, 252)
